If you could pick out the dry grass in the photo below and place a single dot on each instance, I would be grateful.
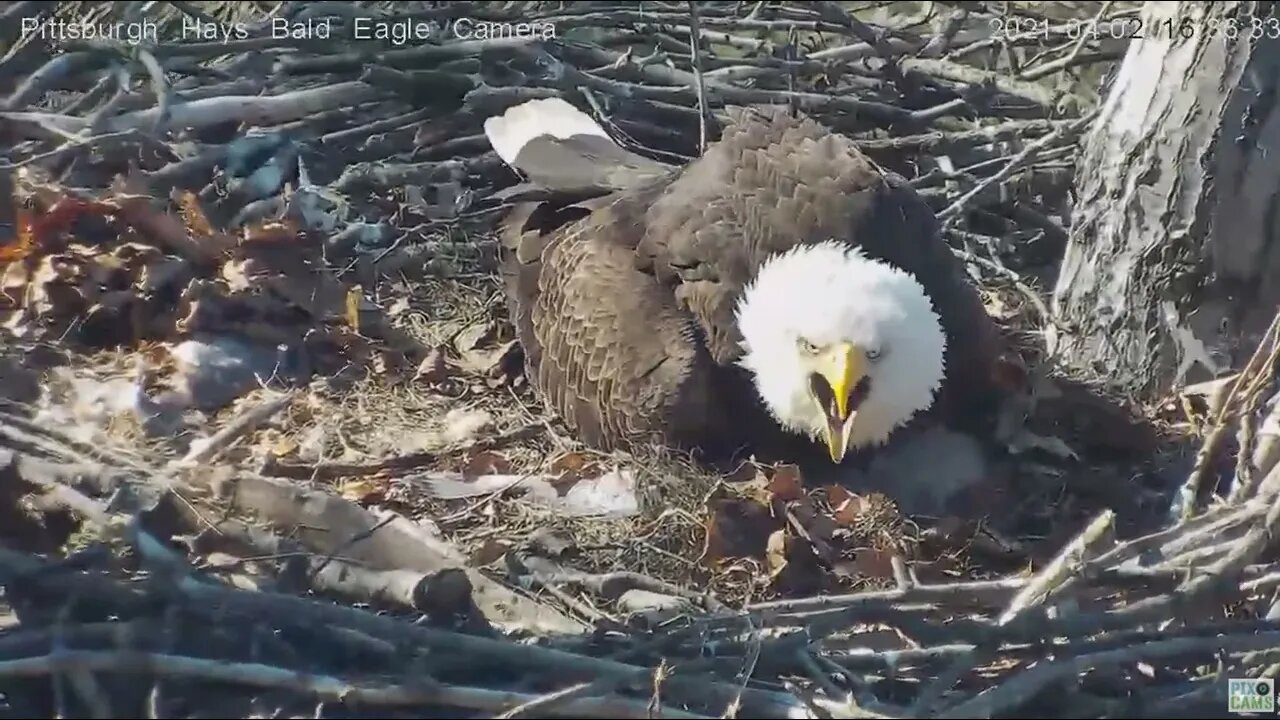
(376, 416)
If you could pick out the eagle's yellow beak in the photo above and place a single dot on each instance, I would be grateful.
(842, 367)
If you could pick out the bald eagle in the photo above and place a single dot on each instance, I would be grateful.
(779, 294)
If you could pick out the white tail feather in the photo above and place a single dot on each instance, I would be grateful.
(509, 132)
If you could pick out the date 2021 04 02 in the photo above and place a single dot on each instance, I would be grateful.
(1133, 27)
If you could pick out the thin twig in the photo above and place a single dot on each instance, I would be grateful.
(1070, 58)
(1033, 148)
(1068, 560)
(322, 686)
(1264, 354)
(696, 43)
(239, 426)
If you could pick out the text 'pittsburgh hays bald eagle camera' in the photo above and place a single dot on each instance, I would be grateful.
(778, 294)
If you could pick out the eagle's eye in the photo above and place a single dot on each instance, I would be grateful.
(807, 346)
(873, 354)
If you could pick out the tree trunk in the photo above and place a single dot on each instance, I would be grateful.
(1172, 269)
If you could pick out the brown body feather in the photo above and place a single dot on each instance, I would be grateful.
(625, 303)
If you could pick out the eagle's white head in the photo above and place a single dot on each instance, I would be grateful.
(843, 348)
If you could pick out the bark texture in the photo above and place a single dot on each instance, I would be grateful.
(1172, 266)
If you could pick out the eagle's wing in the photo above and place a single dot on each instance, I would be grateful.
(607, 346)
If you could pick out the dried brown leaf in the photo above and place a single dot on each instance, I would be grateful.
(501, 366)
(491, 551)
(846, 507)
(873, 563)
(815, 527)
(63, 213)
(486, 462)
(24, 241)
(492, 363)
(364, 490)
(574, 465)
(136, 208)
(736, 528)
(481, 352)
(757, 489)
(193, 215)
(786, 484)
(434, 367)
(552, 542)
(793, 565)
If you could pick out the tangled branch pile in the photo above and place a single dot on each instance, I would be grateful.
(269, 211)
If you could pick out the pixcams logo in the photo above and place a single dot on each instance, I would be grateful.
(1251, 695)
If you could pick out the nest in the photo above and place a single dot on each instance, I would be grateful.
(264, 424)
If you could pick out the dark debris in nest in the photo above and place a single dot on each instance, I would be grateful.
(242, 235)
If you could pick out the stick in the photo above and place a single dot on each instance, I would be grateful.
(79, 143)
(1022, 687)
(323, 686)
(553, 700)
(1069, 560)
(252, 109)
(973, 592)
(681, 84)
(377, 126)
(1267, 348)
(868, 35)
(940, 142)
(228, 604)
(243, 424)
(328, 471)
(695, 39)
(1246, 476)
(941, 42)
(955, 72)
(1026, 155)
(447, 592)
(1070, 58)
(59, 67)
(612, 585)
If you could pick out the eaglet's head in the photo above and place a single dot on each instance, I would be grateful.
(843, 348)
